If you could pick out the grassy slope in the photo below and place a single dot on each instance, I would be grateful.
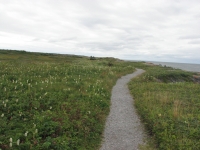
(55, 101)
(168, 101)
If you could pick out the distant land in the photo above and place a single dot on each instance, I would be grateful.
(184, 66)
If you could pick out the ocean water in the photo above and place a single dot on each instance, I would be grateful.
(183, 66)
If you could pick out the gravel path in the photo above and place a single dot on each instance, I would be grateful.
(123, 129)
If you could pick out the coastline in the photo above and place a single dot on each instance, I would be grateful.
(182, 66)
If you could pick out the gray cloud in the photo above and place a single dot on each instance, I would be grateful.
(195, 42)
(191, 37)
(165, 30)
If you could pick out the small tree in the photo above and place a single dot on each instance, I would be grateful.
(92, 58)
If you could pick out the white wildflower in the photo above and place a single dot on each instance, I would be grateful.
(10, 144)
(10, 140)
(36, 131)
(2, 115)
(26, 133)
(18, 141)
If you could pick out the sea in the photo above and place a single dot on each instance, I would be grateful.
(182, 66)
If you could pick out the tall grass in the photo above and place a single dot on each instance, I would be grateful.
(55, 101)
(168, 101)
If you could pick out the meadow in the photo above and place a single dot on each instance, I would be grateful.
(52, 101)
(168, 101)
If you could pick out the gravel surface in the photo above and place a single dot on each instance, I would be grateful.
(123, 129)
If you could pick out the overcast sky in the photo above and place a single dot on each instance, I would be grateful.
(157, 30)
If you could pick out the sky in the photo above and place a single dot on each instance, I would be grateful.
(156, 30)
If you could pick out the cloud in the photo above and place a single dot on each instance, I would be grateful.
(195, 42)
(147, 30)
(191, 37)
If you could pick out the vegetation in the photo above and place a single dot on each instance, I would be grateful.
(51, 101)
(92, 58)
(168, 101)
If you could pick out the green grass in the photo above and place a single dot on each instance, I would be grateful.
(51, 101)
(168, 101)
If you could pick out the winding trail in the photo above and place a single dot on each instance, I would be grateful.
(123, 129)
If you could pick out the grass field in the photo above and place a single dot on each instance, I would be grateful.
(51, 101)
(168, 101)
